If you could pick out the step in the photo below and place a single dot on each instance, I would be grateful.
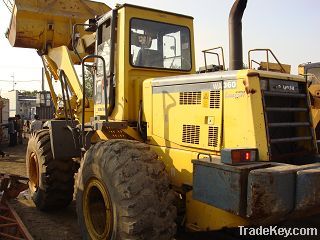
(289, 124)
(295, 139)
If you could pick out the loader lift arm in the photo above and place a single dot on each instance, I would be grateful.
(56, 60)
(34, 26)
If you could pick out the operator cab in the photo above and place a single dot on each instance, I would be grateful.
(138, 43)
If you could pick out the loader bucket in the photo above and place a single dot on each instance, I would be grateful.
(38, 23)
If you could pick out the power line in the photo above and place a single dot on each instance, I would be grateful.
(19, 67)
(22, 81)
(9, 4)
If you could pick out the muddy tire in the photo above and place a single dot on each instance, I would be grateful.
(51, 181)
(123, 193)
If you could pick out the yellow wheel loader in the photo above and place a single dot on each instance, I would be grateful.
(312, 72)
(159, 145)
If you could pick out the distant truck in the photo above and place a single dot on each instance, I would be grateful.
(44, 106)
(312, 70)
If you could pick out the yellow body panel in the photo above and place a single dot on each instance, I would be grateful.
(243, 116)
(203, 217)
(275, 67)
(240, 109)
(168, 121)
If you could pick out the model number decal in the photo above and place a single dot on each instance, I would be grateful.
(284, 86)
(226, 85)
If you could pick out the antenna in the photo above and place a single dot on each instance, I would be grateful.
(13, 82)
(9, 4)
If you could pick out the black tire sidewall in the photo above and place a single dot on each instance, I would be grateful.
(55, 178)
(137, 185)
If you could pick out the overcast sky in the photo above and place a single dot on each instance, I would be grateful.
(289, 27)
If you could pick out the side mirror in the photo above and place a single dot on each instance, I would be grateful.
(90, 25)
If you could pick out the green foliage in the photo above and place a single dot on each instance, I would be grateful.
(88, 83)
(29, 93)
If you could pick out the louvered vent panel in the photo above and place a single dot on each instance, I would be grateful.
(188, 98)
(213, 137)
(215, 99)
(191, 134)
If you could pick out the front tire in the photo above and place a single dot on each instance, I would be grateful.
(123, 193)
(51, 181)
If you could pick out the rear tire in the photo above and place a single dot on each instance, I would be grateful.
(123, 193)
(51, 181)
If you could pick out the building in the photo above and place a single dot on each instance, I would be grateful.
(44, 105)
(4, 115)
(21, 103)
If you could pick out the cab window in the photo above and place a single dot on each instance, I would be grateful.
(159, 45)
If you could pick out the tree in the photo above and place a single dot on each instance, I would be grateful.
(88, 83)
(29, 93)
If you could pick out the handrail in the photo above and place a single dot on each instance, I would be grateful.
(211, 51)
(105, 84)
(267, 50)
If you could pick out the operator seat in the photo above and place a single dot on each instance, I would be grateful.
(149, 58)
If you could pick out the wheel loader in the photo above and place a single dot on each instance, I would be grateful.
(312, 72)
(161, 147)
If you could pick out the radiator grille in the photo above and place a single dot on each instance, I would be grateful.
(191, 134)
(213, 137)
(288, 123)
(215, 99)
(189, 98)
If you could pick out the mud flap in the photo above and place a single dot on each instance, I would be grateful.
(65, 142)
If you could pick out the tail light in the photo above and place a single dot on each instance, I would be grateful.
(239, 156)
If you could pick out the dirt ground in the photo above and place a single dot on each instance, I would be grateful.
(63, 225)
(42, 226)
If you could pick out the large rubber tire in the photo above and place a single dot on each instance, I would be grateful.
(123, 193)
(51, 182)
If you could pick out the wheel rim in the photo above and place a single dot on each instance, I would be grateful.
(33, 172)
(97, 208)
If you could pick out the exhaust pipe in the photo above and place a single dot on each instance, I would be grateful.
(235, 35)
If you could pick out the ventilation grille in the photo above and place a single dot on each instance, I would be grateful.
(213, 137)
(215, 99)
(188, 98)
(191, 134)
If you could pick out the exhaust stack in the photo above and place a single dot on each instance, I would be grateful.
(235, 35)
